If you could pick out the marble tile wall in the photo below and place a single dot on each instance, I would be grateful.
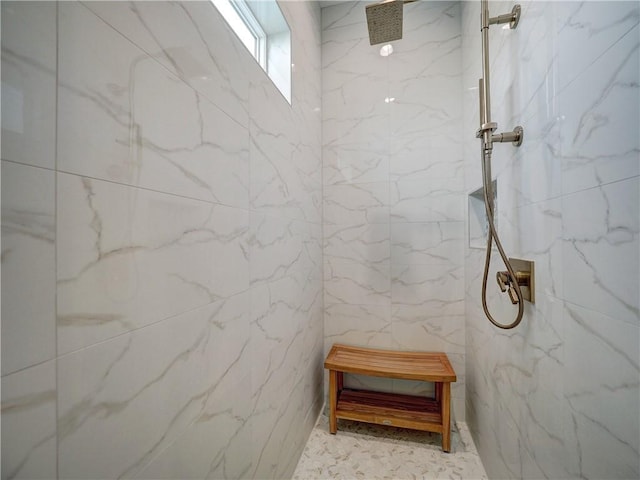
(558, 397)
(394, 198)
(162, 308)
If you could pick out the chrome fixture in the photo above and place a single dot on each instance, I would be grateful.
(384, 20)
(518, 275)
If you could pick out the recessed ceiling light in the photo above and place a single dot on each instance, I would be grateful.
(386, 50)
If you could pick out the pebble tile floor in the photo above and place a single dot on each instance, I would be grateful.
(366, 451)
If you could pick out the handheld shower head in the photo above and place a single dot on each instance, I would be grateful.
(384, 20)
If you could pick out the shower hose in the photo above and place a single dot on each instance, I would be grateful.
(491, 235)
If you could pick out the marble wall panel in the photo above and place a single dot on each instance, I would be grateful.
(427, 201)
(193, 41)
(29, 423)
(393, 195)
(557, 396)
(432, 243)
(29, 82)
(28, 259)
(135, 246)
(601, 249)
(174, 240)
(176, 145)
(367, 243)
(602, 368)
(357, 284)
(356, 204)
(145, 388)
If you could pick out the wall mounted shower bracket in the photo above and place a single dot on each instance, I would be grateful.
(511, 18)
(514, 137)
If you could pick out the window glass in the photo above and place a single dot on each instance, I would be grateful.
(262, 28)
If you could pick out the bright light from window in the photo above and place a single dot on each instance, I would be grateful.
(238, 24)
(261, 27)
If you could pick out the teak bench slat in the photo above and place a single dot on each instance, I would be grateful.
(408, 411)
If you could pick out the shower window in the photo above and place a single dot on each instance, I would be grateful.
(262, 28)
(246, 26)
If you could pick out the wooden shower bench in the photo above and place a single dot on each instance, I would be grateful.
(408, 411)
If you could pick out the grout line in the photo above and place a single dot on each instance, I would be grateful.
(55, 242)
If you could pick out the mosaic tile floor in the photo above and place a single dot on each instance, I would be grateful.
(360, 450)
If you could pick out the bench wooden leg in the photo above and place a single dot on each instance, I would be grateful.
(446, 416)
(333, 400)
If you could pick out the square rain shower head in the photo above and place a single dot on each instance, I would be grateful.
(384, 20)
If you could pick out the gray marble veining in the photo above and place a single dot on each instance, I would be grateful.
(558, 397)
(394, 198)
(162, 253)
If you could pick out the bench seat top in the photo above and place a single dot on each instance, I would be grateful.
(424, 366)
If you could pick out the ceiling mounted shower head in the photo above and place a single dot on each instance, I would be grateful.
(384, 20)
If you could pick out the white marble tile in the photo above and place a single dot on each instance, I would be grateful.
(529, 364)
(216, 444)
(282, 161)
(516, 381)
(360, 325)
(28, 260)
(540, 234)
(438, 287)
(601, 250)
(588, 30)
(29, 82)
(355, 163)
(438, 200)
(277, 246)
(355, 86)
(424, 104)
(182, 144)
(276, 348)
(272, 430)
(357, 284)
(29, 423)
(414, 156)
(280, 313)
(433, 243)
(429, 29)
(128, 257)
(386, 165)
(342, 15)
(364, 203)
(193, 41)
(602, 393)
(346, 49)
(304, 19)
(415, 329)
(357, 243)
(598, 104)
(368, 129)
(537, 172)
(155, 371)
(124, 401)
